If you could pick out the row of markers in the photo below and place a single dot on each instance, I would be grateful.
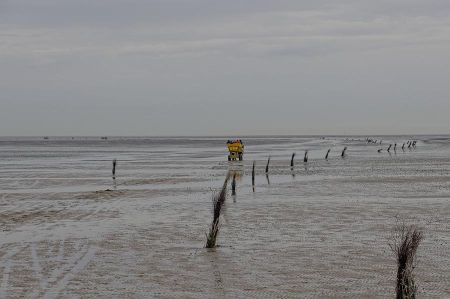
(410, 144)
(305, 158)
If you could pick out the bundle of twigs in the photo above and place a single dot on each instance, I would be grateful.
(218, 201)
(267, 166)
(405, 242)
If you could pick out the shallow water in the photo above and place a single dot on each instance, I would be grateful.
(320, 230)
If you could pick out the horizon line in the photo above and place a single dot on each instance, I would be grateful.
(221, 135)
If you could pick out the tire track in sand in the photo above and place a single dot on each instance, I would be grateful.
(59, 277)
(64, 281)
(7, 265)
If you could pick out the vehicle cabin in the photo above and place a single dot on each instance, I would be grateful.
(235, 150)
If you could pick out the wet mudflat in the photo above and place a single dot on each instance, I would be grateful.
(320, 230)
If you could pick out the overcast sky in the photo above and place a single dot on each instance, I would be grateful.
(234, 67)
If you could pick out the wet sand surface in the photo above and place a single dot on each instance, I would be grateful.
(321, 230)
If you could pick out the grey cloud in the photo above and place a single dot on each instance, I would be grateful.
(301, 63)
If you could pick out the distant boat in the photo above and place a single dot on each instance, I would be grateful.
(104, 138)
(45, 137)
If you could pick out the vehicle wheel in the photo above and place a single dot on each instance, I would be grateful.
(240, 157)
(229, 158)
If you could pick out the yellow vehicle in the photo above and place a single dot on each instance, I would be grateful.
(236, 150)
